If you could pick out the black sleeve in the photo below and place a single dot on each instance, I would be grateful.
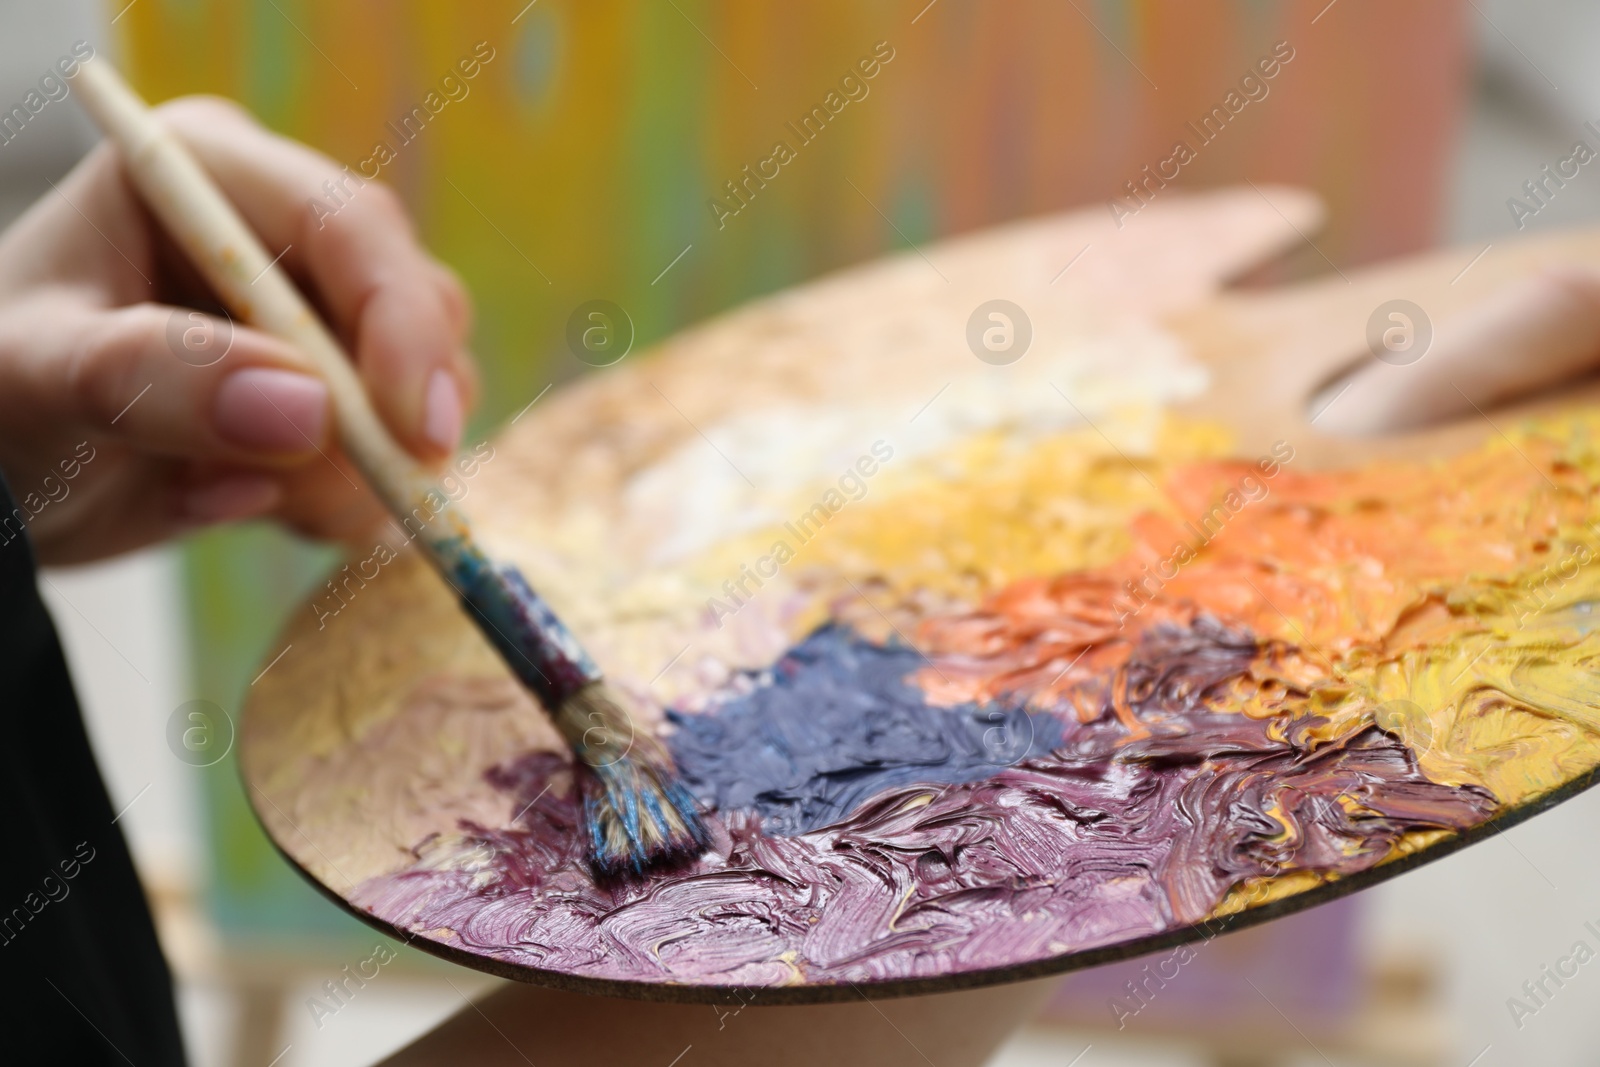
(82, 979)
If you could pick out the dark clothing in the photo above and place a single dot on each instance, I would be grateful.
(82, 979)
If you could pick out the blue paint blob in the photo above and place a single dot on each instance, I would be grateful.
(833, 724)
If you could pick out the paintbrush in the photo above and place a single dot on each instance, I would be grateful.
(637, 811)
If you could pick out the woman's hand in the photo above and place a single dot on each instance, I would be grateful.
(127, 417)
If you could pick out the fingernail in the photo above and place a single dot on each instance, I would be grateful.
(272, 410)
(229, 499)
(441, 411)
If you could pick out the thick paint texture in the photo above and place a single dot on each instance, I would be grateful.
(836, 722)
(1254, 679)
(1101, 840)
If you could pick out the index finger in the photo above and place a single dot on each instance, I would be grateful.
(401, 315)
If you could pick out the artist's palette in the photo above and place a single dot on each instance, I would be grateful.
(983, 668)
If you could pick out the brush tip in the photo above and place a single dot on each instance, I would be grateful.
(638, 822)
(638, 813)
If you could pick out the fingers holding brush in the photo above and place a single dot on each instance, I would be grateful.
(350, 244)
(103, 350)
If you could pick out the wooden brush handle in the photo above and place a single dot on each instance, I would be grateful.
(242, 272)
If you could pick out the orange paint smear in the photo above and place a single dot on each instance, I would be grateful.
(1317, 565)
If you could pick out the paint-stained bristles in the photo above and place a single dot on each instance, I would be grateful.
(637, 811)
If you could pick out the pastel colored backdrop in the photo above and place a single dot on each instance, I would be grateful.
(580, 162)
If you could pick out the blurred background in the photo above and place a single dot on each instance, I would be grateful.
(580, 165)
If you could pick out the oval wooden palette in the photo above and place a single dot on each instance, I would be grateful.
(388, 749)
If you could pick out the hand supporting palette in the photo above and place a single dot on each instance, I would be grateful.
(984, 671)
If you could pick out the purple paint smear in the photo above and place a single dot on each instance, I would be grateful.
(1101, 841)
